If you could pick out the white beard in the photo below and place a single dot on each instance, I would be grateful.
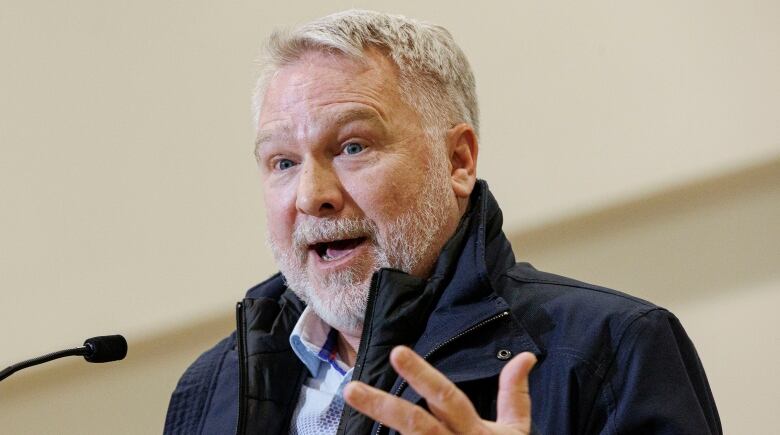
(340, 298)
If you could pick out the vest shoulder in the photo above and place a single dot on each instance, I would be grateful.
(189, 401)
(272, 288)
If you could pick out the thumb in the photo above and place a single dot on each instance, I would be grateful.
(514, 401)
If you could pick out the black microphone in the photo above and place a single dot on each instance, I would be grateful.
(102, 349)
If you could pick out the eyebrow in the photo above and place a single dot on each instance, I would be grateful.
(339, 120)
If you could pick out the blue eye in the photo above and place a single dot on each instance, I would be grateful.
(353, 148)
(284, 164)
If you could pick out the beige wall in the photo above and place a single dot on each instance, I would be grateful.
(632, 145)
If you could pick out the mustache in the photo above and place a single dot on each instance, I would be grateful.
(310, 232)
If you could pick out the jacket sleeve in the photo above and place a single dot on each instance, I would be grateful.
(657, 384)
(189, 401)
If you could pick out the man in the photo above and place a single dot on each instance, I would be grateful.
(396, 275)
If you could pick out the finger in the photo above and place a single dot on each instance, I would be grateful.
(391, 411)
(444, 399)
(514, 401)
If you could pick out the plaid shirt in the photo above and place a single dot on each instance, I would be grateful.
(320, 401)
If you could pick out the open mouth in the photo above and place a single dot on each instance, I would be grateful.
(330, 251)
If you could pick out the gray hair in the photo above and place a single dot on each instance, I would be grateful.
(435, 78)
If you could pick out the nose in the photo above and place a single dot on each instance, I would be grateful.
(320, 192)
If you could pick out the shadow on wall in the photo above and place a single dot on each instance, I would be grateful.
(698, 240)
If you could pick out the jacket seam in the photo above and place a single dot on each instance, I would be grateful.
(592, 366)
(612, 399)
(583, 287)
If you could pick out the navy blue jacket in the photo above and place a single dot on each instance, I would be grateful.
(609, 363)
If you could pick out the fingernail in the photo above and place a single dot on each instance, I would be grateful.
(401, 356)
(355, 390)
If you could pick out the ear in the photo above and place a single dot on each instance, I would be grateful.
(463, 147)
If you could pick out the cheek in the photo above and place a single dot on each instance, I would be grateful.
(280, 216)
(384, 192)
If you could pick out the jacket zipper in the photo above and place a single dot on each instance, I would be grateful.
(359, 358)
(241, 366)
(403, 383)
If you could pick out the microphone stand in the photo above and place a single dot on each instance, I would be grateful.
(76, 351)
(101, 349)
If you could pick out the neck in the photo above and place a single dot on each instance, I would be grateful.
(347, 346)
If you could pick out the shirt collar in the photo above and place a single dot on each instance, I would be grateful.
(314, 342)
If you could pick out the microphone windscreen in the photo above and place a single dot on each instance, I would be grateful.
(106, 348)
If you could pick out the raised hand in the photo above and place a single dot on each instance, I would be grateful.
(450, 409)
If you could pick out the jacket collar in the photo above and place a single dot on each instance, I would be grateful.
(439, 317)
(469, 264)
(408, 309)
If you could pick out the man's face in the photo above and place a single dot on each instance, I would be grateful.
(351, 182)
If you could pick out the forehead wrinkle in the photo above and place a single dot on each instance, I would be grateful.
(332, 120)
(265, 136)
(355, 114)
(369, 87)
